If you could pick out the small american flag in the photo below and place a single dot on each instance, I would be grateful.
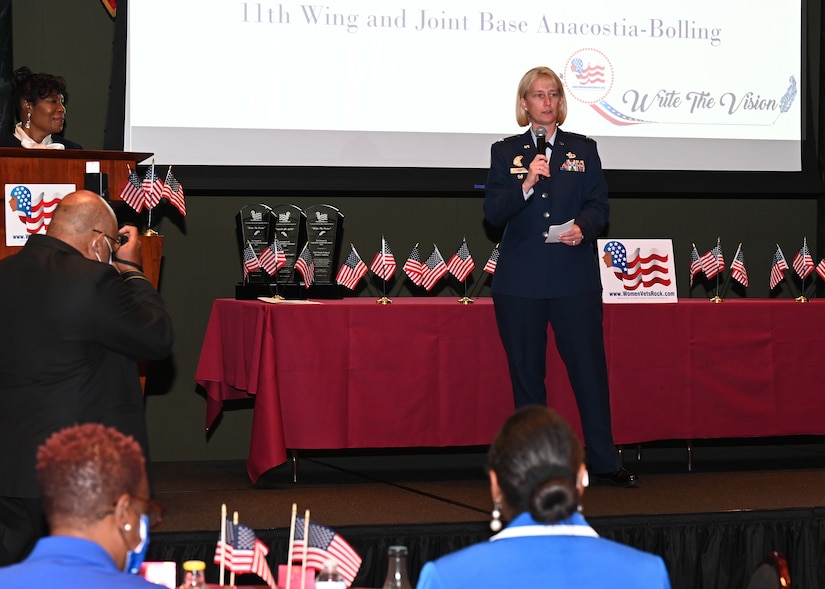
(273, 258)
(383, 264)
(244, 552)
(713, 262)
(323, 545)
(803, 263)
(132, 193)
(251, 263)
(305, 264)
(778, 267)
(152, 188)
(737, 267)
(695, 264)
(492, 261)
(434, 269)
(173, 192)
(352, 271)
(461, 263)
(820, 268)
(413, 267)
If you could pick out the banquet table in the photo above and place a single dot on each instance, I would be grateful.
(431, 372)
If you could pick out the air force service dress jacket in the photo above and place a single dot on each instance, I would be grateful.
(527, 266)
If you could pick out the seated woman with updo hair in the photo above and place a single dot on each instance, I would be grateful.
(537, 477)
(38, 99)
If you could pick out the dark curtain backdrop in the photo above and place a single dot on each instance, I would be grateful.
(116, 111)
(6, 59)
(701, 551)
(820, 108)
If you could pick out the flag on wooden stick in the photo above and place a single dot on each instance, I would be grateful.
(324, 544)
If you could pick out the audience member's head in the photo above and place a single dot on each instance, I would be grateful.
(93, 484)
(87, 223)
(537, 477)
(537, 466)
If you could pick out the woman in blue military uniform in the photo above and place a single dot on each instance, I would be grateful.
(537, 282)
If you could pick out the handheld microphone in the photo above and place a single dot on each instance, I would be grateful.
(541, 143)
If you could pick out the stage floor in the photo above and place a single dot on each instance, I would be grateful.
(392, 487)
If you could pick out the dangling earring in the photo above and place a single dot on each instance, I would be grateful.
(29, 121)
(584, 482)
(495, 523)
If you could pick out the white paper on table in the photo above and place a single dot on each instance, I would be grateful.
(555, 230)
(277, 301)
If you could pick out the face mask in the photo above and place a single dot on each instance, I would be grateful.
(134, 558)
(111, 252)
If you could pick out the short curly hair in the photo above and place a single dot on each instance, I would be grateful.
(82, 470)
(31, 87)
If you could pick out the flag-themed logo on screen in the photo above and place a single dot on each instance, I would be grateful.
(637, 270)
(588, 77)
(587, 74)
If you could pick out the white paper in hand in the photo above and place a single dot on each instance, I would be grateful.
(555, 230)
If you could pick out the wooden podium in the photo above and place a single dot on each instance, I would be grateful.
(43, 166)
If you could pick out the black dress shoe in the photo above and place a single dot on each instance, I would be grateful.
(619, 478)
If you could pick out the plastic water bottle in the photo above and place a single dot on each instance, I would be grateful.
(329, 577)
(397, 568)
(193, 575)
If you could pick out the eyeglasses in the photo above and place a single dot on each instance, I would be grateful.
(154, 511)
(116, 240)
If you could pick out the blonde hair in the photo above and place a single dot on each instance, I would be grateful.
(524, 87)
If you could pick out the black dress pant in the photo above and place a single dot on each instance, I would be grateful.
(579, 338)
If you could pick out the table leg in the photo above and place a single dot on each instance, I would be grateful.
(689, 455)
(293, 454)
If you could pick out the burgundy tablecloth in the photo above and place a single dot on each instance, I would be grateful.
(432, 372)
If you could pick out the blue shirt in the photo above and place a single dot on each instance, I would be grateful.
(529, 554)
(69, 563)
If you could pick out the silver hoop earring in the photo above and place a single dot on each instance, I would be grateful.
(29, 121)
(495, 523)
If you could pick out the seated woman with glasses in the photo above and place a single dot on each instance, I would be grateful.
(93, 483)
(537, 477)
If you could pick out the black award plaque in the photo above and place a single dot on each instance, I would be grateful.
(289, 229)
(255, 227)
(324, 236)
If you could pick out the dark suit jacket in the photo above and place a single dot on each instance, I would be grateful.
(12, 141)
(72, 333)
(576, 189)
